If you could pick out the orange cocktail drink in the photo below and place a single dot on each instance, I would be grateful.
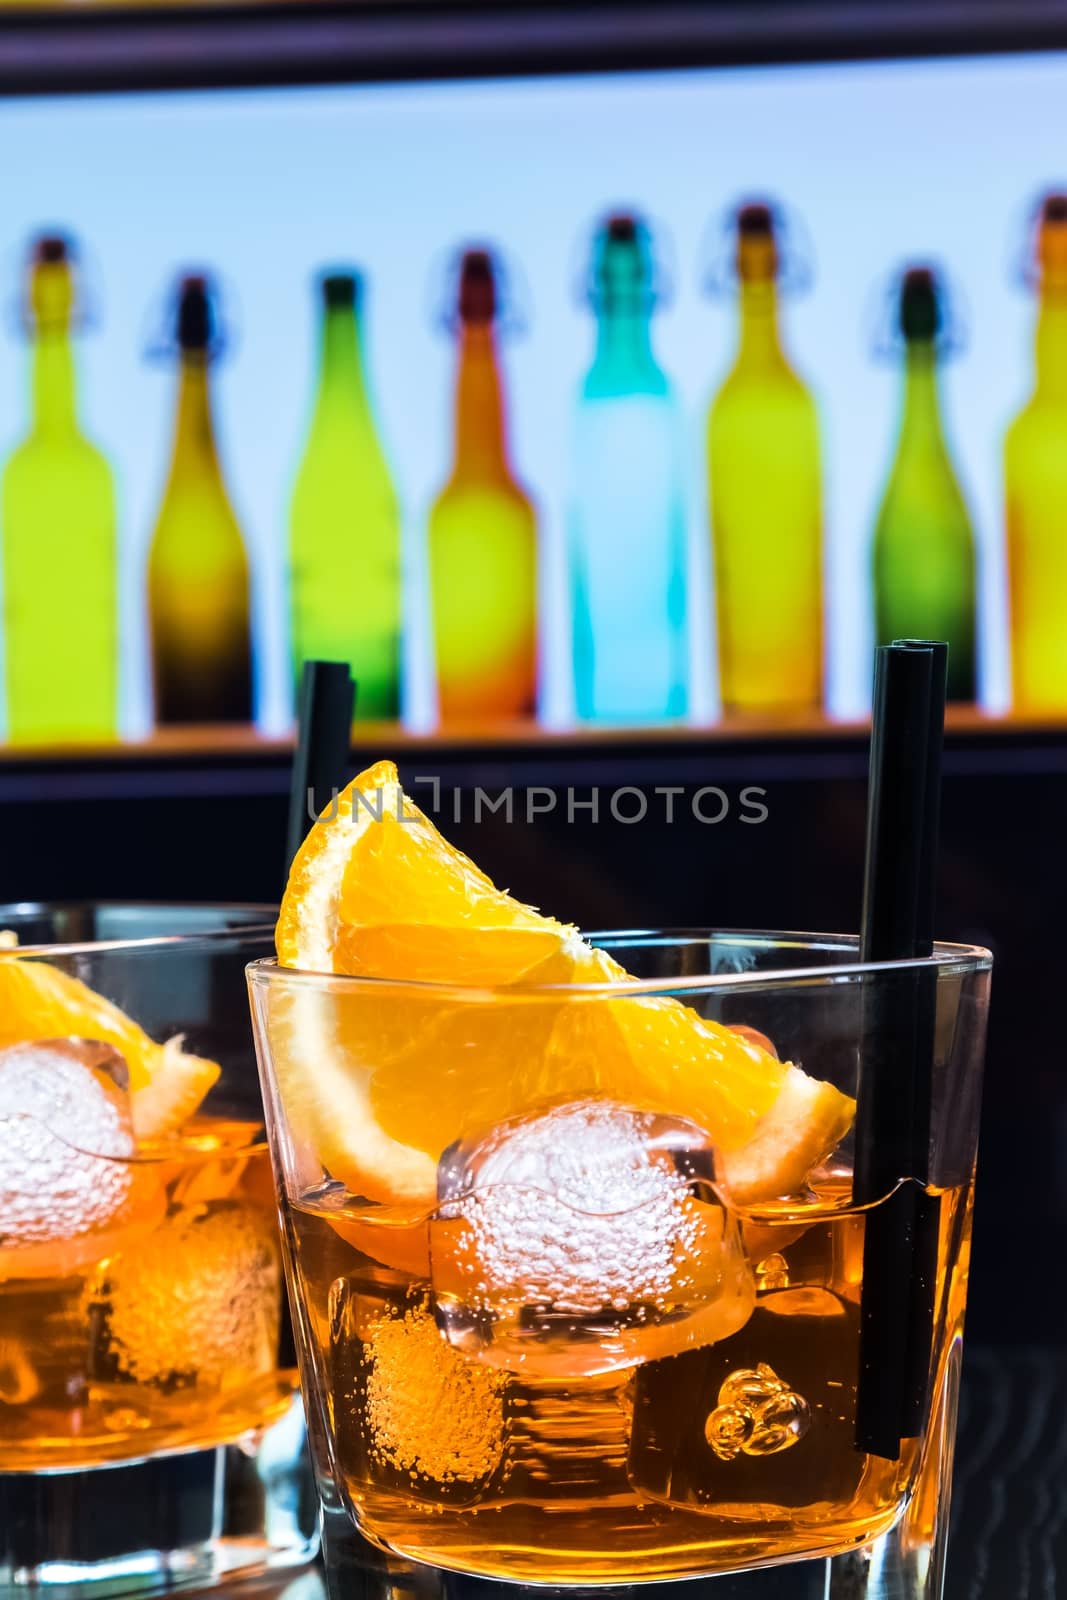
(570, 1227)
(140, 1272)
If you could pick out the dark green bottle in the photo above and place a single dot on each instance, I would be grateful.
(924, 550)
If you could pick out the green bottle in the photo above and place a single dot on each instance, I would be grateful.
(57, 516)
(344, 542)
(924, 552)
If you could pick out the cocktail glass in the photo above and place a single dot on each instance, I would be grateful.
(593, 1362)
(151, 1432)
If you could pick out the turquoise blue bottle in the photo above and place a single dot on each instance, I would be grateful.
(626, 528)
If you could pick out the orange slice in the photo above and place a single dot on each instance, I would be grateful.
(175, 1090)
(376, 890)
(378, 1081)
(41, 1001)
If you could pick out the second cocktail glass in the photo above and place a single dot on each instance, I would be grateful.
(149, 1431)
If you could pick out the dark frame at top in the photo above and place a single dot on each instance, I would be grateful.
(131, 48)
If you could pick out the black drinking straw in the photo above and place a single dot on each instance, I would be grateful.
(896, 1058)
(927, 1206)
(324, 742)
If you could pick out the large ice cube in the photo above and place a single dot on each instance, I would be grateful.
(412, 1416)
(585, 1238)
(65, 1132)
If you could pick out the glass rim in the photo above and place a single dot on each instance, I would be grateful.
(957, 958)
(268, 915)
(178, 1149)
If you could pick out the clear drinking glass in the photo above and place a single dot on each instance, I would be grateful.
(151, 1430)
(562, 1376)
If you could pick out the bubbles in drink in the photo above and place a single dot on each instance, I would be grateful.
(414, 1416)
(65, 1131)
(198, 1299)
(583, 1239)
(430, 1412)
(728, 1430)
(756, 1414)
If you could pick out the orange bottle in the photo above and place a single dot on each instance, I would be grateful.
(483, 533)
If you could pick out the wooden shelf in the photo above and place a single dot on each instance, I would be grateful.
(194, 743)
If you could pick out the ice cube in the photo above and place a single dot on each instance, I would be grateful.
(758, 1428)
(65, 1132)
(198, 1300)
(585, 1238)
(412, 1416)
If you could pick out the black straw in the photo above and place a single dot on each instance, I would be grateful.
(896, 1061)
(324, 742)
(927, 1222)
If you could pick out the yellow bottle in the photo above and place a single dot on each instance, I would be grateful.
(198, 583)
(344, 541)
(766, 501)
(1035, 479)
(483, 535)
(57, 525)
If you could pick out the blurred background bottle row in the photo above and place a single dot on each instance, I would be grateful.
(628, 521)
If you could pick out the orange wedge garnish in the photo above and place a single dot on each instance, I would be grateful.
(41, 1001)
(377, 1081)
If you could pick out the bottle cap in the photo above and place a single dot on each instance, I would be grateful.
(757, 244)
(52, 292)
(479, 287)
(476, 301)
(756, 241)
(918, 305)
(190, 320)
(195, 315)
(755, 220)
(920, 314)
(623, 264)
(624, 272)
(339, 290)
(621, 229)
(1050, 267)
(51, 247)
